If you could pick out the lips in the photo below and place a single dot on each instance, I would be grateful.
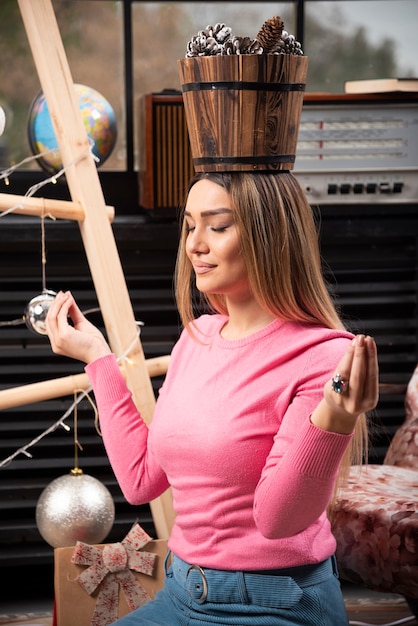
(202, 268)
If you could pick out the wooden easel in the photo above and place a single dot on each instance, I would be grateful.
(89, 209)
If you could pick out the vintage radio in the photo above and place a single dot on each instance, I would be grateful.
(359, 149)
(352, 149)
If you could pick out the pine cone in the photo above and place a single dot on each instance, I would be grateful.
(218, 40)
(202, 45)
(244, 45)
(270, 33)
(221, 33)
(287, 45)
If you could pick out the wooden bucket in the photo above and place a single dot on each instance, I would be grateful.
(243, 111)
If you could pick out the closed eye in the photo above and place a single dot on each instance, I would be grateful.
(219, 229)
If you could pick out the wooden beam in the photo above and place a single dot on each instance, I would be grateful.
(42, 207)
(84, 185)
(65, 386)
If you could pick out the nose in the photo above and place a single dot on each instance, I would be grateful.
(196, 242)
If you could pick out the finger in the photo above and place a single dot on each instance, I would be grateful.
(57, 318)
(358, 366)
(51, 318)
(75, 312)
(363, 379)
(348, 383)
(371, 386)
(63, 307)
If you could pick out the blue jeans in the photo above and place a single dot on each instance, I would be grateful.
(192, 596)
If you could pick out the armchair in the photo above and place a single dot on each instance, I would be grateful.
(375, 516)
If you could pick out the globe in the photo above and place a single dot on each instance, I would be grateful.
(98, 118)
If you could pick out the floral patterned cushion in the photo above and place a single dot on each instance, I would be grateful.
(375, 523)
(403, 450)
(375, 517)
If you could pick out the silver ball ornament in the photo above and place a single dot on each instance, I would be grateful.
(75, 507)
(37, 310)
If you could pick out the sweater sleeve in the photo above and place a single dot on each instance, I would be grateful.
(125, 435)
(299, 476)
(294, 492)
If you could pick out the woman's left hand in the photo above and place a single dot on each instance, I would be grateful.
(353, 390)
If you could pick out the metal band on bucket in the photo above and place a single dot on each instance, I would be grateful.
(244, 86)
(251, 160)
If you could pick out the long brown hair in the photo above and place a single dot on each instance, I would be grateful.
(280, 246)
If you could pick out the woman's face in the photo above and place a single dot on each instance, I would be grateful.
(213, 242)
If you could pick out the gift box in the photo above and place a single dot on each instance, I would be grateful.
(97, 584)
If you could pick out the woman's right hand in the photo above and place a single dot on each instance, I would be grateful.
(80, 340)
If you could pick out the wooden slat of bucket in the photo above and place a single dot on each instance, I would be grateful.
(251, 125)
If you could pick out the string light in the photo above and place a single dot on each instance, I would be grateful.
(51, 429)
(124, 356)
(22, 320)
(61, 422)
(5, 174)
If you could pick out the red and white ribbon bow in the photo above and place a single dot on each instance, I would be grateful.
(110, 569)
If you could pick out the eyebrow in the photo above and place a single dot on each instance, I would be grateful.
(210, 212)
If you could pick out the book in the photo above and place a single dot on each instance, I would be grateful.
(381, 85)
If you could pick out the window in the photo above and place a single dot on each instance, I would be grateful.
(354, 40)
(124, 49)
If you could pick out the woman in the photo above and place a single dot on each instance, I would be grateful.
(264, 396)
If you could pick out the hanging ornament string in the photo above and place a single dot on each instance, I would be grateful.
(43, 247)
(45, 292)
(77, 444)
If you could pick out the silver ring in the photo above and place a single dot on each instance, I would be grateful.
(338, 384)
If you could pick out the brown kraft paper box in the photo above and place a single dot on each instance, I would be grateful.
(74, 606)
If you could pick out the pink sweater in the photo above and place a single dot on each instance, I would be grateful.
(251, 476)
